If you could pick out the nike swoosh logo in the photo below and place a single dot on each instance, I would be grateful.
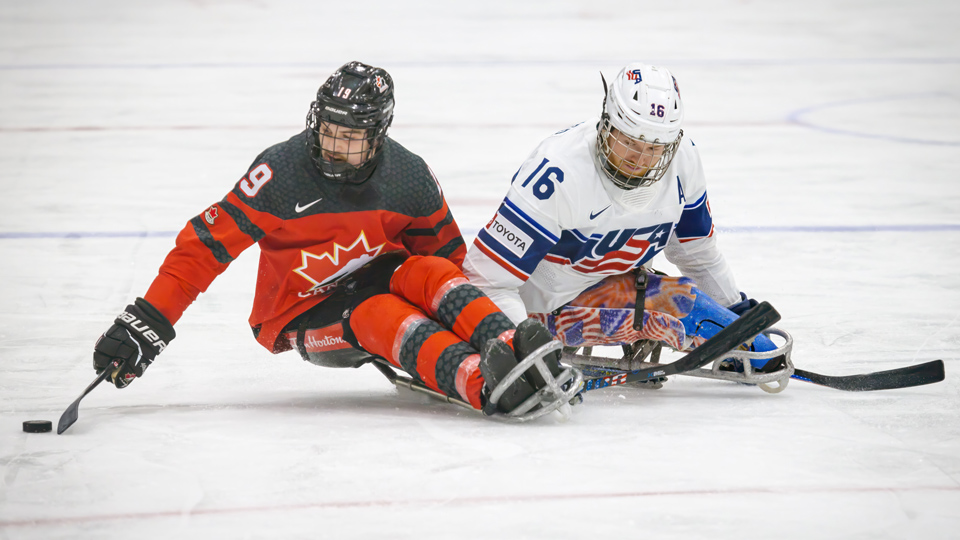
(593, 216)
(299, 208)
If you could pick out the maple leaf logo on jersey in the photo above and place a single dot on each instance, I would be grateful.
(324, 270)
(211, 214)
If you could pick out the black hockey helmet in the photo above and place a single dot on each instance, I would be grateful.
(357, 97)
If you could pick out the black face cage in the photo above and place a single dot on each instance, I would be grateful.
(337, 167)
(622, 176)
(356, 97)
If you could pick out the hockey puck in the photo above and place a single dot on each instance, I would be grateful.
(37, 426)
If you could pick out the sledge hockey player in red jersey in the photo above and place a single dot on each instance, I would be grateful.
(360, 258)
(586, 212)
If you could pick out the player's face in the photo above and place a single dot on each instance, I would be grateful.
(630, 157)
(338, 143)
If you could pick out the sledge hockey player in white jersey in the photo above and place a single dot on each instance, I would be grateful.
(572, 240)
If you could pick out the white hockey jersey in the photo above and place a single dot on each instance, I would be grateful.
(563, 227)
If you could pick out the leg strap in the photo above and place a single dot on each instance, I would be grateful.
(641, 284)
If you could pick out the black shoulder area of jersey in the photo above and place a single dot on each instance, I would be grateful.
(401, 183)
(405, 182)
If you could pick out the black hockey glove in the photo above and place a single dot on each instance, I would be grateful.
(130, 345)
(743, 306)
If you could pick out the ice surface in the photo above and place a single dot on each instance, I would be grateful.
(829, 131)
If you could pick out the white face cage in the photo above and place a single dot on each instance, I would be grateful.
(631, 163)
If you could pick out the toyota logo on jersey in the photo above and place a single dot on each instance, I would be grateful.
(509, 235)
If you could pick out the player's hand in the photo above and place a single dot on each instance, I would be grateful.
(131, 344)
(743, 305)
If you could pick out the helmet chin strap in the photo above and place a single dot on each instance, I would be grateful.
(343, 172)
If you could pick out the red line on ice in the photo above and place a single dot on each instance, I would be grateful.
(46, 522)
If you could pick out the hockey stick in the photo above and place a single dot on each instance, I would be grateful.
(70, 415)
(905, 377)
(750, 324)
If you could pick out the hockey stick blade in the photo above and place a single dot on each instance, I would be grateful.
(750, 324)
(70, 415)
(905, 377)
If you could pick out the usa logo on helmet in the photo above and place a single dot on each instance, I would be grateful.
(634, 76)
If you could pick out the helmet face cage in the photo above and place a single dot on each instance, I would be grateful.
(342, 152)
(632, 162)
(349, 122)
(639, 131)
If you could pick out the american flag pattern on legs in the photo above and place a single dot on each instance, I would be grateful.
(586, 327)
(604, 313)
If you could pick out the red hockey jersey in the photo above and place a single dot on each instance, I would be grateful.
(311, 232)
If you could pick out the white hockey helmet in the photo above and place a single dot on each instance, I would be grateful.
(639, 131)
